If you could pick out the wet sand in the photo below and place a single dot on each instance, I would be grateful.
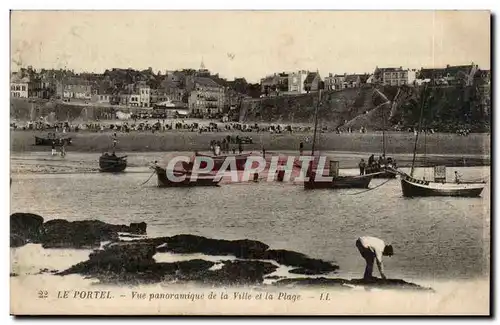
(396, 142)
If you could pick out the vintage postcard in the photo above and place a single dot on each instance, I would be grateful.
(250, 162)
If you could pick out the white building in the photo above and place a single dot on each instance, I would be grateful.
(134, 100)
(19, 87)
(296, 82)
(144, 97)
(101, 98)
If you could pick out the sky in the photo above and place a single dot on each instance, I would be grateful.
(249, 44)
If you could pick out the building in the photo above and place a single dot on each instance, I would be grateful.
(394, 76)
(101, 98)
(206, 96)
(296, 82)
(269, 84)
(134, 100)
(144, 96)
(123, 99)
(274, 84)
(43, 87)
(330, 82)
(450, 75)
(20, 87)
(312, 82)
(74, 88)
(343, 81)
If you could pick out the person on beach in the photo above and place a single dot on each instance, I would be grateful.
(371, 160)
(53, 148)
(362, 166)
(457, 177)
(115, 140)
(217, 148)
(63, 150)
(372, 248)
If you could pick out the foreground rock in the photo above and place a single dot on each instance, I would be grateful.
(349, 284)
(84, 234)
(58, 233)
(133, 263)
(25, 228)
(186, 244)
(247, 249)
(238, 273)
(306, 265)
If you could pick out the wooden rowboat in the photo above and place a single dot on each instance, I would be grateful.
(112, 163)
(413, 187)
(340, 182)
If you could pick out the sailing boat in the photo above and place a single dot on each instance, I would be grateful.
(413, 187)
(383, 170)
(338, 182)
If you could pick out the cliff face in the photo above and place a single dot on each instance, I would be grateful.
(336, 107)
(446, 108)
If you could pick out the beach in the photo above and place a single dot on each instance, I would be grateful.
(396, 142)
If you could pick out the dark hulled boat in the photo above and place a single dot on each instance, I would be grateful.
(339, 182)
(240, 159)
(413, 187)
(187, 180)
(110, 163)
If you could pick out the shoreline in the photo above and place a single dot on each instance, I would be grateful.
(138, 162)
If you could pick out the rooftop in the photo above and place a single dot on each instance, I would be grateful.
(310, 77)
(203, 81)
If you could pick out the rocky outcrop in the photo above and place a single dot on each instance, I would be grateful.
(138, 228)
(185, 244)
(25, 228)
(305, 264)
(238, 273)
(116, 258)
(84, 234)
(58, 233)
(133, 262)
(349, 284)
(246, 249)
(322, 282)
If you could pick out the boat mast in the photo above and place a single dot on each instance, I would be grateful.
(383, 130)
(418, 130)
(315, 123)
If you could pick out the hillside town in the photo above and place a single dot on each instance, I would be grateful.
(200, 93)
